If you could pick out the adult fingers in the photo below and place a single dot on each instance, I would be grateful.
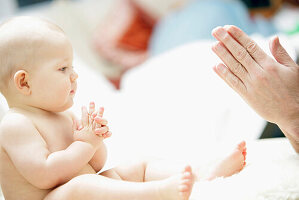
(230, 61)
(249, 45)
(84, 117)
(279, 53)
(238, 51)
(232, 80)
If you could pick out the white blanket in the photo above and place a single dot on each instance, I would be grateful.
(272, 173)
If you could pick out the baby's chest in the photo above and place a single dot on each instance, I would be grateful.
(58, 134)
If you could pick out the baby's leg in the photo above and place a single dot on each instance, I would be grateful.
(95, 187)
(145, 170)
(149, 170)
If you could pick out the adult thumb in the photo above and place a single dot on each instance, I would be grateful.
(279, 53)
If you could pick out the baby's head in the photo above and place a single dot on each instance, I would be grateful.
(36, 65)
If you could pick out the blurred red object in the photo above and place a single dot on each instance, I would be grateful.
(123, 37)
(138, 33)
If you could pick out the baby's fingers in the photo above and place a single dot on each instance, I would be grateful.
(100, 131)
(75, 125)
(106, 135)
(84, 116)
(100, 121)
(101, 112)
(91, 108)
(94, 114)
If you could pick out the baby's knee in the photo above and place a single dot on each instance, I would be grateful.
(77, 182)
(69, 190)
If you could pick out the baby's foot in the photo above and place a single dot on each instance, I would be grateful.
(178, 187)
(231, 164)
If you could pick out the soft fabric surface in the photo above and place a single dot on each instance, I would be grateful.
(272, 173)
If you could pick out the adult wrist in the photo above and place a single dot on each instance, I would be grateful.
(291, 128)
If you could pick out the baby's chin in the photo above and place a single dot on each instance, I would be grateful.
(62, 108)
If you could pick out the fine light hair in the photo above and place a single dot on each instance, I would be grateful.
(20, 39)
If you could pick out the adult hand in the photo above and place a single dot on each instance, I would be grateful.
(270, 87)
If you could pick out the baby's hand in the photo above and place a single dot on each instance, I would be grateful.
(85, 130)
(99, 123)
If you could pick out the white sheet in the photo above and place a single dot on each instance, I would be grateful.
(271, 174)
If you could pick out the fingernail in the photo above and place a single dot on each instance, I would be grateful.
(214, 44)
(220, 32)
(218, 46)
(221, 68)
(226, 27)
(215, 29)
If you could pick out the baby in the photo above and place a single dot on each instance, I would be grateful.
(46, 153)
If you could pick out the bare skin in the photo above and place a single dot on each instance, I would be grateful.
(170, 185)
(175, 185)
(269, 86)
(235, 161)
(48, 154)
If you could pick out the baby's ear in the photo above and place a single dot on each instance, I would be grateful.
(21, 82)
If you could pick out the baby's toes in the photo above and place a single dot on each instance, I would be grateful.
(242, 146)
(186, 183)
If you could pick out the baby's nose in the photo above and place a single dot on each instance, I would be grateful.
(74, 76)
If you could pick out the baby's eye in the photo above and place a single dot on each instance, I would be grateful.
(63, 69)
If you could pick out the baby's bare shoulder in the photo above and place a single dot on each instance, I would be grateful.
(13, 119)
(13, 124)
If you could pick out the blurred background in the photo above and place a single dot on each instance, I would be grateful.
(113, 36)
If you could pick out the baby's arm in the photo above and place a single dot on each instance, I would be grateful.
(99, 159)
(30, 155)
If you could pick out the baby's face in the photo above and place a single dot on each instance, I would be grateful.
(53, 80)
